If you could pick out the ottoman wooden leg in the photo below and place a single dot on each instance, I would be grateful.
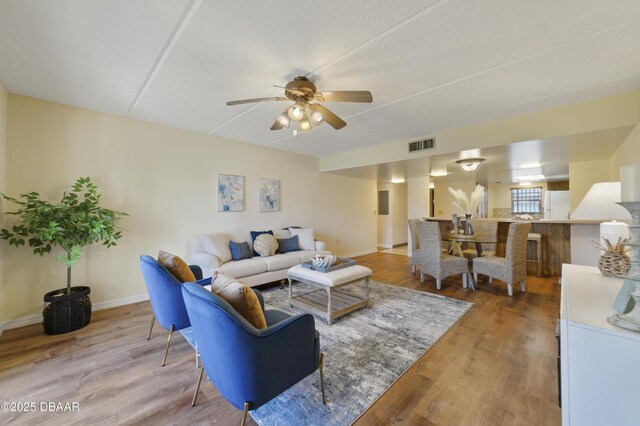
(366, 291)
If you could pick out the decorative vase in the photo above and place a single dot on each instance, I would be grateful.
(64, 312)
(468, 229)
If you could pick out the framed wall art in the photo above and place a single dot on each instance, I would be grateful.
(268, 195)
(230, 193)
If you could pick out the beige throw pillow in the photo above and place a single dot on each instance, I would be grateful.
(240, 297)
(176, 266)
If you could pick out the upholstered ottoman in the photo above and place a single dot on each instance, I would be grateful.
(328, 301)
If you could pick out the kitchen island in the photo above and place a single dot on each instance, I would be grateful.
(563, 241)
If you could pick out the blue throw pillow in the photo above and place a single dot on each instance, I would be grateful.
(254, 235)
(240, 251)
(288, 244)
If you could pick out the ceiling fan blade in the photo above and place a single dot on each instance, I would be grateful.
(277, 125)
(332, 119)
(250, 101)
(345, 96)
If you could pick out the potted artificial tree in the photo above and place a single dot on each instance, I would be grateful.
(76, 221)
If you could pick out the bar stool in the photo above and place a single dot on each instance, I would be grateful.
(537, 239)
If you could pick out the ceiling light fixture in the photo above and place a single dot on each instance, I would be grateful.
(439, 173)
(470, 164)
(296, 111)
(530, 165)
(530, 178)
(397, 180)
(525, 184)
(284, 119)
(304, 124)
(316, 116)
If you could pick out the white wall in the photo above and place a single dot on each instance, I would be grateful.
(399, 214)
(166, 180)
(443, 199)
(582, 175)
(385, 221)
(627, 154)
(418, 202)
(392, 229)
(4, 98)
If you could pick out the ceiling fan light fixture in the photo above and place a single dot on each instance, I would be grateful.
(296, 111)
(470, 164)
(304, 124)
(284, 119)
(316, 116)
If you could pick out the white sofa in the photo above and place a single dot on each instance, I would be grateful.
(211, 252)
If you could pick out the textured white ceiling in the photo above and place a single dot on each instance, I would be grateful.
(431, 65)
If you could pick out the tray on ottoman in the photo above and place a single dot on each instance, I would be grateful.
(345, 262)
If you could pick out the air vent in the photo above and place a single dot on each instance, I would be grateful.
(422, 145)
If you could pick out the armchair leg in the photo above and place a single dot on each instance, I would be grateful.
(421, 277)
(153, 319)
(324, 398)
(475, 277)
(439, 284)
(195, 394)
(413, 269)
(244, 413)
(523, 286)
(510, 289)
(166, 349)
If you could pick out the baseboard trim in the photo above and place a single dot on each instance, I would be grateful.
(385, 246)
(35, 319)
(359, 253)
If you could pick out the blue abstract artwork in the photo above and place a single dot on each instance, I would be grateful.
(269, 195)
(230, 193)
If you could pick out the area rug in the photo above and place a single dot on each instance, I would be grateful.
(366, 351)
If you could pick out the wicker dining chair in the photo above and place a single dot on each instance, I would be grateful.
(485, 230)
(435, 263)
(512, 268)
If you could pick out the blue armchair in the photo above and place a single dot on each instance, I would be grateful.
(165, 293)
(249, 366)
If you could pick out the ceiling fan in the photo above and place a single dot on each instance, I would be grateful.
(305, 109)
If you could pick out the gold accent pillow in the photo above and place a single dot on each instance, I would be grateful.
(176, 266)
(240, 297)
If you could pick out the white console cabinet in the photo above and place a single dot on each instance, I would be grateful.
(599, 363)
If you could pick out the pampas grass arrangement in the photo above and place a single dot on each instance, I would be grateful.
(468, 205)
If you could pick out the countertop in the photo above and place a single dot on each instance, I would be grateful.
(541, 221)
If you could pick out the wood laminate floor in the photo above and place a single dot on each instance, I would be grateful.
(496, 366)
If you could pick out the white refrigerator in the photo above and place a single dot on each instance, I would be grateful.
(556, 205)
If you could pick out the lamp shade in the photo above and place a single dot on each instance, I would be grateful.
(613, 231)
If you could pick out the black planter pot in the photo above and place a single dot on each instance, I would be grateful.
(64, 312)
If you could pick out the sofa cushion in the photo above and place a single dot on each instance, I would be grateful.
(305, 238)
(306, 255)
(176, 266)
(288, 244)
(216, 244)
(265, 245)
(240, 251)
(281, 261)
(244, 267)
(240, 297)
